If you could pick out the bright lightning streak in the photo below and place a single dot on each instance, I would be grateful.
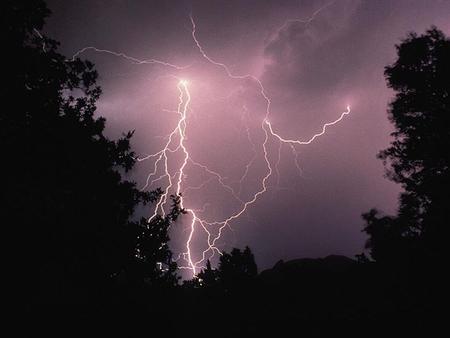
(267, 129)
(324, 129)
(174, 178)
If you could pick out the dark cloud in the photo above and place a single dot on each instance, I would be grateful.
(311, 72)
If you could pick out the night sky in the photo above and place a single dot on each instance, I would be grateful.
(310, 71)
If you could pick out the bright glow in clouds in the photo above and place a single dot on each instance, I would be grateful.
(170, 163)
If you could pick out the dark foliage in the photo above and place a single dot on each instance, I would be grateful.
(409, 248)
(237, 270)
(76, 242)
(417, 158)
(63, 186)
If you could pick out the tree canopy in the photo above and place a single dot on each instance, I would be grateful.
(417, 158)
(65, 185)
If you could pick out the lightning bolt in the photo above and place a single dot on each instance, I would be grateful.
(176, 146)
(128, 58)
(266, 128)
(309, 141)
(306, 21)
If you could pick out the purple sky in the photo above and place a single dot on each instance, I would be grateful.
(309, 71)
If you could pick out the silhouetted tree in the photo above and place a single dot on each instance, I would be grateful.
(64, 183)
(208, 277)
(237, 269)
(409, 247)
(153, 263)
(418, 158)
(386, 241)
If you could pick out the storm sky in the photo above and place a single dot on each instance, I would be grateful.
(311, 72)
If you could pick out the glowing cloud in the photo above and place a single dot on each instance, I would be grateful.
(172, 177)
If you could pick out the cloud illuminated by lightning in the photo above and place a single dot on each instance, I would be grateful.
(173, 179)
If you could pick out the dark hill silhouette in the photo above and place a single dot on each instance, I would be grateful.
(332, 262)
(307, 269)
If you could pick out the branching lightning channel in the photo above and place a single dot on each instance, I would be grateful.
(306, 21)
(128, 58)
(173, 179)
(309, 141)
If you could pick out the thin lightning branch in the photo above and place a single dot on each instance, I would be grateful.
(227, 70)
(267, 128)
(277, 164)
(219, 178)
(255, 154)
(299, 142)
(127, 57)
(175, 144)
(198, 187)
(297, 165)
(306, 21)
